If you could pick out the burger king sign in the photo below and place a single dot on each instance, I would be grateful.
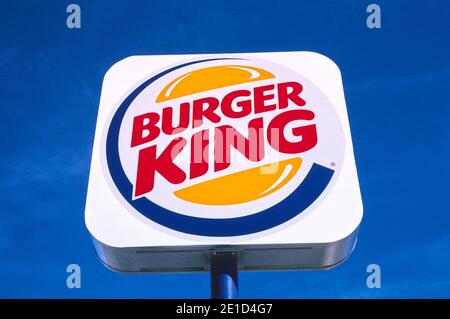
(244, 152)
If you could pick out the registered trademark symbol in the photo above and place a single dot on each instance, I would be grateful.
(333, 164)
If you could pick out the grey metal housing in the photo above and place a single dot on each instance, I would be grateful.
(250, 257)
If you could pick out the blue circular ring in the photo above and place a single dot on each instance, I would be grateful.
(303, 196)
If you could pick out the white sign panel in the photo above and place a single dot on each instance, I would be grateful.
(244, 152)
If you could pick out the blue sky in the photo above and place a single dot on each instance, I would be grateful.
(397, 86)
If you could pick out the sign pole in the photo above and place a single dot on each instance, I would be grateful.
(224, 275)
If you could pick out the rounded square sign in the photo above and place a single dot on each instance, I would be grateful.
(245, 152)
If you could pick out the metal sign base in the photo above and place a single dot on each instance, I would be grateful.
(224, 275)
